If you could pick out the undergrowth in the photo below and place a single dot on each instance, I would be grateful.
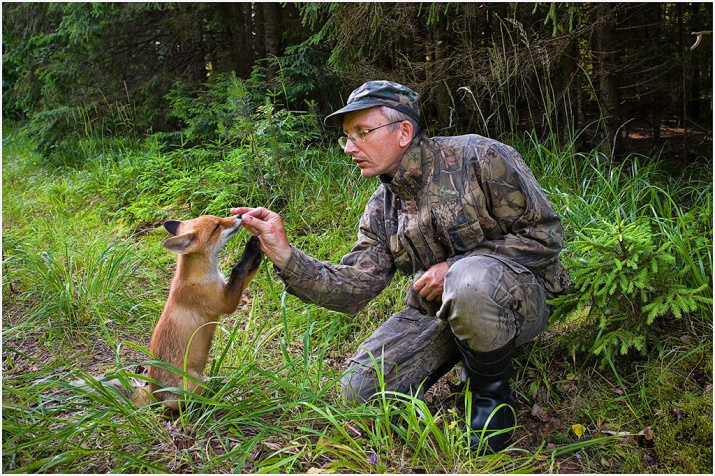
(620, 382)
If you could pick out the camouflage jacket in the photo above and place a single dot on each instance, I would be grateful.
(451, 197)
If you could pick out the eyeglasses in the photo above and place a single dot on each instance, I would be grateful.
(353, 136)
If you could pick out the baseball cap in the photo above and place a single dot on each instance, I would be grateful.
(378, 93)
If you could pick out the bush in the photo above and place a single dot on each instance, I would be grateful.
(624, 280)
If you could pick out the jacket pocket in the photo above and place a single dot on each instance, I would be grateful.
(465, 237)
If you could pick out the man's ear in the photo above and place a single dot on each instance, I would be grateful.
(406, 132)
(179, 244)
(172, 226)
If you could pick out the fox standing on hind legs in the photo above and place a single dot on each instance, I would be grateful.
(198, 297)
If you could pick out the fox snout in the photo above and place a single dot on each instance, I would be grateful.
(205, 234)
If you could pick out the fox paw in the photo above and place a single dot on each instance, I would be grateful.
(252, 254)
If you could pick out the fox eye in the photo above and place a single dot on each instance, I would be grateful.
(218, 225)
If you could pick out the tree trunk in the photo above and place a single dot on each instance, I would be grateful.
(235, 20)
(568, 89)
(608, 80)
(684, 76)
(272, 19)
(439, 73)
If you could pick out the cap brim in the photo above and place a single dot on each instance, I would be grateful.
(336, 118)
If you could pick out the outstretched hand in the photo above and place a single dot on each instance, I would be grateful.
(268, 227)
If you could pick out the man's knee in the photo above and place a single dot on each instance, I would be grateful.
(478, 279)
(479, 286)
(488, 302)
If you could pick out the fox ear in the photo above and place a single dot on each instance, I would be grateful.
(172, 226)
(179, 244)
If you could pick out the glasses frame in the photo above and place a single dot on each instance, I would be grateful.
(352, 137)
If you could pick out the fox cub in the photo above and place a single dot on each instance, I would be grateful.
(199, 295)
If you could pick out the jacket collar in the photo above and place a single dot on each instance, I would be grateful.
(416, 164)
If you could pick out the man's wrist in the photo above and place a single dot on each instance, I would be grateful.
(281, 261)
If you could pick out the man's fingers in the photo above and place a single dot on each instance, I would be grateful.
(240, 210)
(260, 213)
(255, 220)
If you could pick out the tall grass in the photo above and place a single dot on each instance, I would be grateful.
(80, 289)
(586, 188)
(251, 404)
(79, 279)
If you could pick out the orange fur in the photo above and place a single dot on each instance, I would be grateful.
(198, 297)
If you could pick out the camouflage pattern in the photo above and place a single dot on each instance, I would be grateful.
(378, 93)
(408, 347)
(487, 303)
(452, 197)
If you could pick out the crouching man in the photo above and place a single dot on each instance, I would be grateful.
(465, 217)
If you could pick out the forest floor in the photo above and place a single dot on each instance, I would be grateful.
(648, 412)
(544, 419)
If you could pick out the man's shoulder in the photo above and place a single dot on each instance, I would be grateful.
(466, 141)
(470, 148)
(467, 145)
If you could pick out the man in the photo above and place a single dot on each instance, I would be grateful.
(466, 218)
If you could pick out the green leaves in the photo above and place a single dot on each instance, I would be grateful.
(625, 279)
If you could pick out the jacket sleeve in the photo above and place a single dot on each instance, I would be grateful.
(360, 276)
(530, 232)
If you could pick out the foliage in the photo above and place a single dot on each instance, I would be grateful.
(624, 281)
(271, 402)
(144, 111)
(108, 67)
(82, 290)
(638, 244)
(207, 115)
(249, 156)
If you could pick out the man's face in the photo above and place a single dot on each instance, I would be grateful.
(382, 150)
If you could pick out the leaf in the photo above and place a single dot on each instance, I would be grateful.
(648, 433)
(578, 429)
(539, 413)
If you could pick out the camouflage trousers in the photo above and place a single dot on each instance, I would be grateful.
(486, 303)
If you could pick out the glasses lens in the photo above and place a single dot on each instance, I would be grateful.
(343, 141)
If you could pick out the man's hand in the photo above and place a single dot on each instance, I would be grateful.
(268, 227)
(431, 284)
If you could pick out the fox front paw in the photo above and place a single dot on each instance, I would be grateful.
(252, 255)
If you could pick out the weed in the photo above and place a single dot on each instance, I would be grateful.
(82, 258)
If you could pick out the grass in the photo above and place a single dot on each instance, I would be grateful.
(85, 278)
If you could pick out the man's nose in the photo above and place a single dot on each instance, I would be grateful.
(350, 147)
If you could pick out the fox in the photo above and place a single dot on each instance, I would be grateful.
(199, 295)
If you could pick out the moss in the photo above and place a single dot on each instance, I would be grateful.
(683, 413)
(684, 435)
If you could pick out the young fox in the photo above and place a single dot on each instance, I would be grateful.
(198, 296)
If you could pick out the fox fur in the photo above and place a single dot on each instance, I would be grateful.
(199, 295)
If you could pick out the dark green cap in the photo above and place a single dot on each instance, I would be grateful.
(379, 93)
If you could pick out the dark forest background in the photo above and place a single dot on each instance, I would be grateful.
(620, 77)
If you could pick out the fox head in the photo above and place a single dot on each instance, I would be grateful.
(206, 234)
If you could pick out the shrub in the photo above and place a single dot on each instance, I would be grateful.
(624, 280)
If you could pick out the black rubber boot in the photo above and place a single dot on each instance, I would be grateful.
(488, 374)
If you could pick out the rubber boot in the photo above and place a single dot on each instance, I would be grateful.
(492, 403)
